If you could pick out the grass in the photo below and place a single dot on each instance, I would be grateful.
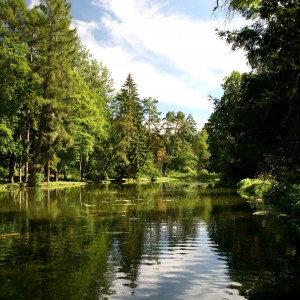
(50, 185)
(9, 186)
(203, 176)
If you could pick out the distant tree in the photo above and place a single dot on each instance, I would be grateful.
(128, 132)
(152, 117)
(176, 129)
(184, 159)
(200, 148)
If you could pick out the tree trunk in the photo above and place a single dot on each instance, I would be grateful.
(20, 169)
(36, 166)
(48, 171)
(65, 175)
(12, 168)
(26, 165)
(57, 175)
(80, 168)
(20, 161)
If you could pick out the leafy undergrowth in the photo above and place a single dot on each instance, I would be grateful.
(286, 197)
(254, 188)
(8, 186)
(274, 195)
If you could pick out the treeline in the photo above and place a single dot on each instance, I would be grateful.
(60, 116)
(255, 128)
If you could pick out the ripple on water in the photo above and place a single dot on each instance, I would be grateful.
(188, 269)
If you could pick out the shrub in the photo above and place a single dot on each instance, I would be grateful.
(254, 187)
(39, 179)
(285, 197)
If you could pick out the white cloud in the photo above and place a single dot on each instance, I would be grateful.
(33, 3)
(171, 57)
(85, 30)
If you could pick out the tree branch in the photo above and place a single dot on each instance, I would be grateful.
(216, 7)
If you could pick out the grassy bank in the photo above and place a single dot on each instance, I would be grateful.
(9, 186)
(50, 185)
(203, 176)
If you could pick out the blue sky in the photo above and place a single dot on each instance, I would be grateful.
(169, 46)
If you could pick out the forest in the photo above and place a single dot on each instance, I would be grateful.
(61, 118)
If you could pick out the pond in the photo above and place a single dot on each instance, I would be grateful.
(155, 241)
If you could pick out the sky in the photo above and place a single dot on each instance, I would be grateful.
(168, 46)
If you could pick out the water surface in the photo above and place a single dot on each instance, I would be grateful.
(158, 241)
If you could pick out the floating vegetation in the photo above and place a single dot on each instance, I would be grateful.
(87, 205)
(269, 212)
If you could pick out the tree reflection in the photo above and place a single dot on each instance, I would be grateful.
(91, 243)
(261, 252)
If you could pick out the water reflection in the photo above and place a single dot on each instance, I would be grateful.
(169, 241)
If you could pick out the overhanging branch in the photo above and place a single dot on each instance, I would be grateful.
(216, 7)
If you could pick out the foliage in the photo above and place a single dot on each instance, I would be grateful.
(200, 147)
(129, 132)
(286, 197)
(204, 176)
(183, 159)
(6, 139)
(39, 179)
(151, 119)
(254, 187)
(50, 22)
(149, 169)
(254, 127)
(178, 130)
(13, 76)
(60, 116)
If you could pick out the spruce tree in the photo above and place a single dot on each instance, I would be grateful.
(129, 132)
(53, 46)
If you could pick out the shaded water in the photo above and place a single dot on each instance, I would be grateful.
(160, 241)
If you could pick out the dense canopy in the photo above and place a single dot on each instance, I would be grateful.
(60, 115)
(255, 127)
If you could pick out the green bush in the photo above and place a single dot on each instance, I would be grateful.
(285, 197)
(204, 175)
(281, 196)
(203, 172)
(254, 187)
(39, 179)
(149, 169)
